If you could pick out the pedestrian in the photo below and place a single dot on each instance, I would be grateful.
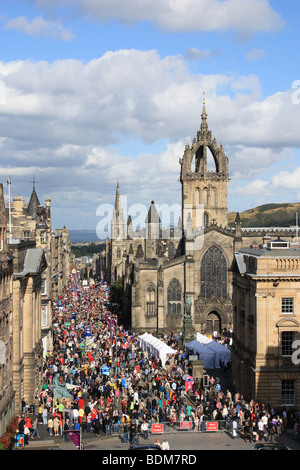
(145, 429)
(270, 430)
(234, 429)
(125, 433)
(133, 434)
(157, 443)
(35, 429)
(50, 425)
(23, 406)
(165, 445)
(56, 426)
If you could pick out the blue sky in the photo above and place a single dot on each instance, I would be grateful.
(95, 91)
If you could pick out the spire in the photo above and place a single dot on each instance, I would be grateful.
(204, 126)
(34, 202)
(117, 201)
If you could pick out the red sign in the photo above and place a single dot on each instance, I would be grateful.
(186, 425)
(157, 428)
(212, 426)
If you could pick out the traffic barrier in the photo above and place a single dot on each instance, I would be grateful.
(178, 426)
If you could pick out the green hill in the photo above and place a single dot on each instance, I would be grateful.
(268, 215)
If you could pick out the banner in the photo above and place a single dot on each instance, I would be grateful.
(75, 437)
(212, 426)
(157, 428)
(186, 425)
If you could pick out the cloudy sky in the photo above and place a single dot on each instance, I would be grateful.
(95, 91)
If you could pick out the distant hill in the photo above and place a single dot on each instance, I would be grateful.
(268, 215)
(83, 236)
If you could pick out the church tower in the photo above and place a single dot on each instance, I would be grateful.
(118, 238)
(204, 192)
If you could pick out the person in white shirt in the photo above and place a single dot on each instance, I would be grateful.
(144, 429)
(165, 445)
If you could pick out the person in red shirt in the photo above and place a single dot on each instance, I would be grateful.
(81, 403)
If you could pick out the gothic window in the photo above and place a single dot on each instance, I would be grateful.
(197, 196)
(213, 197)
(213, 274)
(174, 297)
(205, 219)
(118, 253)
(150, 300)
(205, 196)
(139, 252)
(171, 250)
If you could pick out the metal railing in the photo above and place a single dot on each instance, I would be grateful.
(117, 429)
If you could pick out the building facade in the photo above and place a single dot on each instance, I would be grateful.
(164, 270)
(266, 323)
(7, 394)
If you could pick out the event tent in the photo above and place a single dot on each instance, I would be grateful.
(210, 353)
(203, 339)
(222, 353)
(155, 347)
(206, 355)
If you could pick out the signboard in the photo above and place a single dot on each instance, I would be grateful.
(20, 440)
(88, 331)
(212, 426)
(157, 428)
(105, 370)
(186, 425)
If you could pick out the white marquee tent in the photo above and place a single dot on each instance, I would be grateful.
(155, 347)
(203, 339)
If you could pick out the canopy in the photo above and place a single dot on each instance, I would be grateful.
(222, 353)
(211, 353)
(203, 339)
(155, 347)
(206, 355)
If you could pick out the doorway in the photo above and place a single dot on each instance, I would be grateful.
(213, 323)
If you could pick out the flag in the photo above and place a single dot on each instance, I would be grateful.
(75, 437)
(8, 179)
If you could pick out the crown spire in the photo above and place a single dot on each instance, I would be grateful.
(204, 126)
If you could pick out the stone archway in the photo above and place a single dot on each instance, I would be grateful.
(213, 323)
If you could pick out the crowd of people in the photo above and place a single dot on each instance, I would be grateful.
(114, 387)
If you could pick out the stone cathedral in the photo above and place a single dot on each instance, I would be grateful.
(193, 262)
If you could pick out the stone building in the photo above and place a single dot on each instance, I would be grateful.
(266, 321)
(32, 222)
(7, 395)
(29, 264)
(163, 269)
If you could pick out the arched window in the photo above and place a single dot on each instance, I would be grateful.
(213, 273)
(174, 297)
(171, 250)
(118, 253)
(205, 219)
(150, 300)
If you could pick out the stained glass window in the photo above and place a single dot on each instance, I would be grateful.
(213, 273)
(174, 297)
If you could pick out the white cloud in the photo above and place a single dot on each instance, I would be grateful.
(193, 53)
(39, 27)
(64, 120)
(245, 17)
(255, 54)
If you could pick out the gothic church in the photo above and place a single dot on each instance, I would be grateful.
(191, 266)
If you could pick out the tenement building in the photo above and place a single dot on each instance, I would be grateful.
(31, 222)
(266, 305)
(7, 395)
(185, 269)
